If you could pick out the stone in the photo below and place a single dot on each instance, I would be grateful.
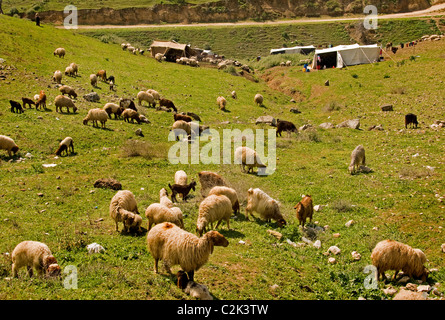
(387, 107)
(108, 184)
(353, 124)
(404, 294)
(317, 244)
(411, 286)
(305, 127)
(326, 83)
(443, 247)
(266, 119)
(349, 223)
(139, 133)
(356, 256)
(424, 288)
(294, 110)
(276, 234)
(334, 250)
(389, 291)
(326, 125)
(95, 248)
(332, 260)
(92, 97)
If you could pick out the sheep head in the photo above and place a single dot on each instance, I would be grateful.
(52, 269)
(193, 185)
(216, 239)
(15, 149)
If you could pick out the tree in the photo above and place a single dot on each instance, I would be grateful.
(1, 11)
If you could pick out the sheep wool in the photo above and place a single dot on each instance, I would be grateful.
(8, 144)
(213, 208)
(95, 115)
(57, 76)
(181, 127)
(181, 177)
(112, 108)
(267, 207)
(157, 213)
(164, 199)
(221, 102)
(68, 90)
(258, 99)
(124, 199)
(229, 193)
(93, 80)
(147, 97)
(65, 145)
(62, 101)
(34, 255)
(130, 114)
(208, 180)
(60, 52)
(154, 93)
(357, 158)
(246, 156)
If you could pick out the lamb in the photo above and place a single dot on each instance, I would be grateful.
(69, 91)
(102, 74)
(61, 101)
(304, 209)
(229, 193)
(181, 189)
(69, 71)
(167, 103)
(157, 213)
(95, 115)
(74, 67)
(192, 288)
(258, 99)
(41, 102)
(178, 116)
(394, 255)
(65, 145)
(127, 104)
(57, 76)
(221, 102)
(266, 206)
(16, 106)
(357, 158)
(59, 52)
(283, 125)
(176, 246)
(131, 220)
(208, 180)
(180, 127)
(213, 208)
(93, 80)
(410, 119)
(130, 114)
(123, 199)
(8, 144)
(246, 156)
(27, 101)
(144, 96)
(154, 93)
(34, 255)
(112, 108)
(164, 199)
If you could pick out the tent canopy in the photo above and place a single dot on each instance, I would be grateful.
(171, 49)
(346, 55)
(297, 49)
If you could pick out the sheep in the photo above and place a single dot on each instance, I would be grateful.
(180, 127)
(130, 220)
(176, 246)
(102, 74)
(95, 115)
(234, 95)
(112, 108)
(164, 199)
(267, 207)
(93, 80)
(144, 96)
(180, 189)
(304, 209)
(123, 199)
(208, 180)
(181, 177)
(213, 208)
(61, 101)
(178, 116)
(229, 193)
(154, 93)
(69, 91)
(75, 67)
(157, 213)
(57, 76)
(128, 114)
(410, 119)
(221, 102)
(59, 52)
(16, 106)
(159, 57)
(167, 103)
(41, 102)
(69, 71)
(283, 125)
(8, 144)
(65, 145)
(27, 101)
(193, 115)
(127, 104)
(258, 99)
(357, 158)
(394, 255)
(246, 156)
(124, 46)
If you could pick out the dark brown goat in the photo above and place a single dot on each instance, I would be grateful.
(16, 106)
(181, 189)
(411, 119)
(167, 103)
(27, 101)
(178, 116)
(283, 125)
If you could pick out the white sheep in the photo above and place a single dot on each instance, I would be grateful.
(213, 208)
(66, 145)
(267, 207)
(59, 52)
(130, 114)
(95, 115)
(75, 67)
(154, 93)
(69, 71)
(61, 101)
(8, 144)
(181, 177)
(147, 97)
(69, 91)
(164, 199)
(234, 95)
(124, 199)
(198, 291)
(357, 158)
(246, 156)
(57, 76)
(229, 193)
(112, 108)
(181, 127)
(34, 255)
(93, 79)
(131, 220)
(258, 99)
(157, 213)
(159, 57)
(221, 102)
(176, 246)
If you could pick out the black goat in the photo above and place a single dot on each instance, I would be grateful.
(181, 189)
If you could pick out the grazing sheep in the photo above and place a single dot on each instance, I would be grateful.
(144, 96)
(181, 189)
(112, 108)
(283, 125)
(178, 116)
(181, 177)
(75, 68)
(258, 99)
(34, 255)
(246, 156)
(93, 80)
(102, 74)
(357, 158)
(304, 210)
(229, 193)
(27, 101)
(193, 115)
(57, 76)
(41, 102)
(157, 213)
(95, 115)
(127, 104)
(176, 246)
(164, 199)
(16, 106)
(65, 145)
(167, 103)
(62, 101)
(130, 220)
(234, 95)
(410, 119)
(159, 57)
(221, 102)
(267, 207)
(180, 127)
(69, 71)
(208, 180)
(213, 208)
(69, 91)
(59, 52)
(123, 199)
(130, 114)
(6, 143)
(394, 255)
(154, 93)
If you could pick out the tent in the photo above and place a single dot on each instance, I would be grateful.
(302, 50)
(346, 55)
(171, 49)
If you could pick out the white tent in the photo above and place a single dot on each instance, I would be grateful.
(298, 49)
(346, 55)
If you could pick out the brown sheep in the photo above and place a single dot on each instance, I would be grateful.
(208, 180)
(304, 210)
(41, 102)
(181, 189)
(102, 74)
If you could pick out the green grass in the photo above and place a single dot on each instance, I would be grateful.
(67, 216)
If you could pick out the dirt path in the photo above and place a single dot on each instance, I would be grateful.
(427, 12)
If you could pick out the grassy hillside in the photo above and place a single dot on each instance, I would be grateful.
(60, 206)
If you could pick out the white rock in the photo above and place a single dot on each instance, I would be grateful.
(318, 207)
(334, 249)
(291, 242)
(241, 242)
(95, 248)
(332, 260)
(317, 244)
(304, 239)
(349, 223)
(355, 255)
(443, 247)
(424, 288)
